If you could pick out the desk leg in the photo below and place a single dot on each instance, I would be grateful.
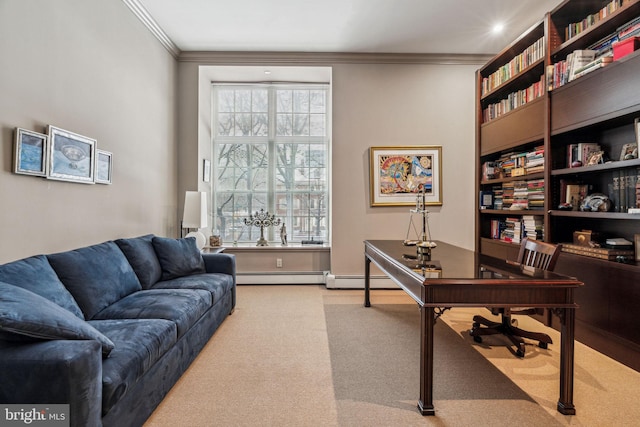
(565, 403)
(367, 278)
(427, 322)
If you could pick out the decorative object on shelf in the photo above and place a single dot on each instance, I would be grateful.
(423, 244)
(104, 167)
(636, 126)
(30, 153)
(215, 239)
(596, 202)
(72, 157)
(595, 157)
(194, 215)
(629, 151)
(283, 234)
(397, 174)
(262, 219)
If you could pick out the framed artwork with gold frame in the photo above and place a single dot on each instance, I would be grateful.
(398, 174)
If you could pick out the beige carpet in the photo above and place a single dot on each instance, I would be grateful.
(277, 361)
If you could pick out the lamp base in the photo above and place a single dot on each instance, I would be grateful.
(200, 239)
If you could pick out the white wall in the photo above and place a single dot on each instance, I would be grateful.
(91, 67)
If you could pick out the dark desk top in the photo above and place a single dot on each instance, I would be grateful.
(461, 277)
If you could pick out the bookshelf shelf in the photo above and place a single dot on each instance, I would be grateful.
(601, 107)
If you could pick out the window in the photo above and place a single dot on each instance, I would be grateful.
(271, 152)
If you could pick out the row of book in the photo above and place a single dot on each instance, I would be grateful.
(520, 62)
(583, 61)
(575, 28)
(514, 100)
(624, 190)
(514, 229)
(514, 195)
(514, 164)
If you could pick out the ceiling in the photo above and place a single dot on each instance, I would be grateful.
(349, 26)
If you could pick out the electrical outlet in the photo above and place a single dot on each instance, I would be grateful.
(279, 262)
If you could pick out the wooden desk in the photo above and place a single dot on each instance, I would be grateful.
(467, 279)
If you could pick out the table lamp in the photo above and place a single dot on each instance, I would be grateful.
(195, 215)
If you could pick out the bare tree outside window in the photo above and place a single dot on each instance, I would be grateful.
(271, 152)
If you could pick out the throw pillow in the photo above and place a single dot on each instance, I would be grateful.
(142, 257)
(19, 320)
(36, 275)
(178, 257)
(97, 276)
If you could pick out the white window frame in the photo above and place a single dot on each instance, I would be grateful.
(233, 228)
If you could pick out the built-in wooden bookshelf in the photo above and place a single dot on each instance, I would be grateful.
(599, 107)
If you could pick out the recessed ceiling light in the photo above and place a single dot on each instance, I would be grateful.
(498, 28)
(267, 72)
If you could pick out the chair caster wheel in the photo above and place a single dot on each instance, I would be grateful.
(520, 353)
(477, 338)
(543, 345)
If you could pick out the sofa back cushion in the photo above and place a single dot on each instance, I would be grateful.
(142, 257)
(96, 276)
(25, 315)
(36, 275)
(178, 257)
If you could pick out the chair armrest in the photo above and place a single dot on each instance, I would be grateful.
(53, 372)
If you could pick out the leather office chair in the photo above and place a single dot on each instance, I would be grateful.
(535, 254)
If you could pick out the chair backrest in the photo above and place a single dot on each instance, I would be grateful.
(538, 254)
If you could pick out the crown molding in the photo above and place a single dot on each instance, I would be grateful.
(328, 58)
(148, 21)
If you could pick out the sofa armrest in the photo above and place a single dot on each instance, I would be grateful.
(220, 263)
(53, 372)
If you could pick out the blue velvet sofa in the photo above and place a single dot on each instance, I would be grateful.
(109, 328)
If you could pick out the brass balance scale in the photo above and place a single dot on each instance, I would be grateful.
(423, 243)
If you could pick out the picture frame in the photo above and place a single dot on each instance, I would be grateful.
(397, 174)
(104, 166)
(72, 157)
(636, 126)
(30, 152)
(206, 170)
(629, 151)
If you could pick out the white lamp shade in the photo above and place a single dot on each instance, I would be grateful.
(195, 210)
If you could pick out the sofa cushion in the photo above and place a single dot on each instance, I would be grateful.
(178, 257)
(184, 307)
(26, 315)
(96, 276)
(139, 343)
(142, 257)
(216, 283)
(36, 275)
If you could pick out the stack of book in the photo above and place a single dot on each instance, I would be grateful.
(535, 194)
(601, 253)
(533, 227)
(520, 196)
(507, 195)
(512, 232)
(533, 53)
(535, 160)
(514, 100)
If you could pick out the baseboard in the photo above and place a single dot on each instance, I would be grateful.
(357, 282)
(288, 278)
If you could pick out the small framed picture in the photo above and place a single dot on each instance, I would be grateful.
(629, 151)
(30, 153)
(206, 170)
(104, 167)
(72, 157)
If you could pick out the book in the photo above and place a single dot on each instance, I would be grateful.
(601, 253)
(577, 60)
